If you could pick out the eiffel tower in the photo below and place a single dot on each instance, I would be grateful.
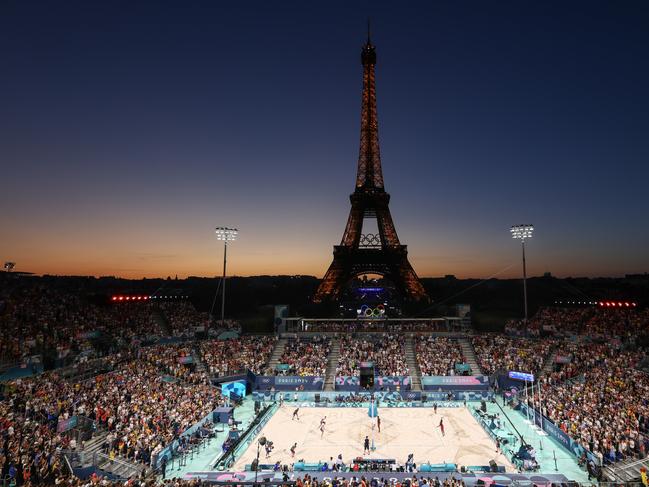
(360, 253)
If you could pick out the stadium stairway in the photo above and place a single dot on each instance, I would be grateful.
(549, 362)
(626, 470)
(277, 353)
(469, 355)
(196, 354)
(413, 365)
(118, 467)
(90, 447)
(332, 363)
(161, 320)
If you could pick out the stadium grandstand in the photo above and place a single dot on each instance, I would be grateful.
(144, 389)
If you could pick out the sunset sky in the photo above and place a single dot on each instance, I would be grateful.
(129, 130)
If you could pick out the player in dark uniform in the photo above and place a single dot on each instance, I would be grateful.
(323, 421)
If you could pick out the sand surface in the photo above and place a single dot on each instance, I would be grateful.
(403, 431)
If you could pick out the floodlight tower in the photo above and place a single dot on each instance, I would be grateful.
(226, 235)
(523, 232)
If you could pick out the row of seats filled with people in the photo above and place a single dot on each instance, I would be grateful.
(305, 356)
(386, 350)
(223, 357)
(142, 411)
(373, 326)
(438, 355)
(501, 352)
(605, 408)
(40, 319)
(595, 321)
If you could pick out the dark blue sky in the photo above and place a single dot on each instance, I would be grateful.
(128, 130)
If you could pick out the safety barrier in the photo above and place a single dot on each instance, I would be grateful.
(227, 459)
(565, 440)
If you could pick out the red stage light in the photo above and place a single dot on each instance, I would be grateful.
(114, 298)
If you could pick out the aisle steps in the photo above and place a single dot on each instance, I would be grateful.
(469, 355)
(332, 363)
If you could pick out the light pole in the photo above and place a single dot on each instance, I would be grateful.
(9, 266)
(260, 442)
(523, 232)
(227, 235)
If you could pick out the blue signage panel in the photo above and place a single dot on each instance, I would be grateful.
(238, 388)
(521, 376)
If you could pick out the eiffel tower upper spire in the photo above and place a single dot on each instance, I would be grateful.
(370, 175)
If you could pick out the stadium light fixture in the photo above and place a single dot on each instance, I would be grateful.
(523, 232)
(226, 235)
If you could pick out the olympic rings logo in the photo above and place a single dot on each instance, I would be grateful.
(368, 312)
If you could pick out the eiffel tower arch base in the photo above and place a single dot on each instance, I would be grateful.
(391, 263)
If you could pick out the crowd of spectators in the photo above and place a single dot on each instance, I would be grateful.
(386, 351)
(130, 322)
(573, 358)
(606, 410)
(178, 361)
(592, 321)
(438, 355)
(62, 325)
(495, 352)
(305, 356)
(144, 412)
(38, 318)
(223, 357)
(183, 318)
(373, 326)
(141, 410)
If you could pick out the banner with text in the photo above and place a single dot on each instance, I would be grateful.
(381, 382)
(405, 478)
(454, 382)
(289, 382)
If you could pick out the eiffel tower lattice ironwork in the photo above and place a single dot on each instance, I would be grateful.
(360, 253)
